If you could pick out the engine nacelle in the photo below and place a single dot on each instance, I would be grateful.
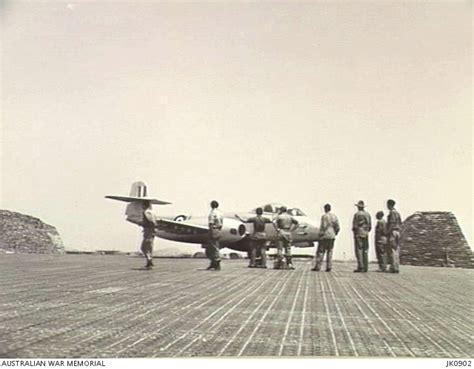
(232, 231)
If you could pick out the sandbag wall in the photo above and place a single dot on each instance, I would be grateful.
(20, 233)
(434, 239)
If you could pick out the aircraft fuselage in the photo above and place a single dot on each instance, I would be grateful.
(235, 234)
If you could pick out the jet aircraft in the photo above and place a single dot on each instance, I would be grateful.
(235, 233)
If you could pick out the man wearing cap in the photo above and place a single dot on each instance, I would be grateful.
(285, 224)
(394, 224)
(258, 238)
(328, 230)
(149, 224)
(215, 221)
(361, 226)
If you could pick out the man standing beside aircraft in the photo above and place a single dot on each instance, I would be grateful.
(284, 224)
(394, 224)
(327, 234)
(215, 221)
(361, 226)
(258, 238)
(149, 224)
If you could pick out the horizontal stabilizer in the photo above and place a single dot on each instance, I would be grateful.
(135, 198)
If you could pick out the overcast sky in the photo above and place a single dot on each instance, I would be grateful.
(246, 103)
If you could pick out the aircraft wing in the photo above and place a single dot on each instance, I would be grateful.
(135, 198)
(180, 227)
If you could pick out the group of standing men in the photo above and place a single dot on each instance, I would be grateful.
(215, 220)
(284, 224)
(387, 237)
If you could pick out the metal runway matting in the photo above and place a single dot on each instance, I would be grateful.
(96, 306)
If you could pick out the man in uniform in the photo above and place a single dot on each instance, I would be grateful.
(284, 224)
(149, 224)
(258, 238)
(328, 230)
(361, 226)
(381, 241)
(215, 221)
(394, 224)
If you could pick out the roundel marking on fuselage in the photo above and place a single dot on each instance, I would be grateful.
(180, 218)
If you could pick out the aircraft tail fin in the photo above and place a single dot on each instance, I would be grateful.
(139, 189)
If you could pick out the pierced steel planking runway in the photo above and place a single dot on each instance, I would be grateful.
(108, 306)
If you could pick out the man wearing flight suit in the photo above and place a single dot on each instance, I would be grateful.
(394, 224)
(284, 224)
(215, 221)
(149, 224)
(258, 238)
(381, 241)
(361, 226)
(328, 230)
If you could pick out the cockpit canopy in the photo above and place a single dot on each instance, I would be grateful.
(296, 212)
(274, 208)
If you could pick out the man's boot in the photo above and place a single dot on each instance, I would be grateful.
(211, 266)
(317, 266)
(218, 265)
